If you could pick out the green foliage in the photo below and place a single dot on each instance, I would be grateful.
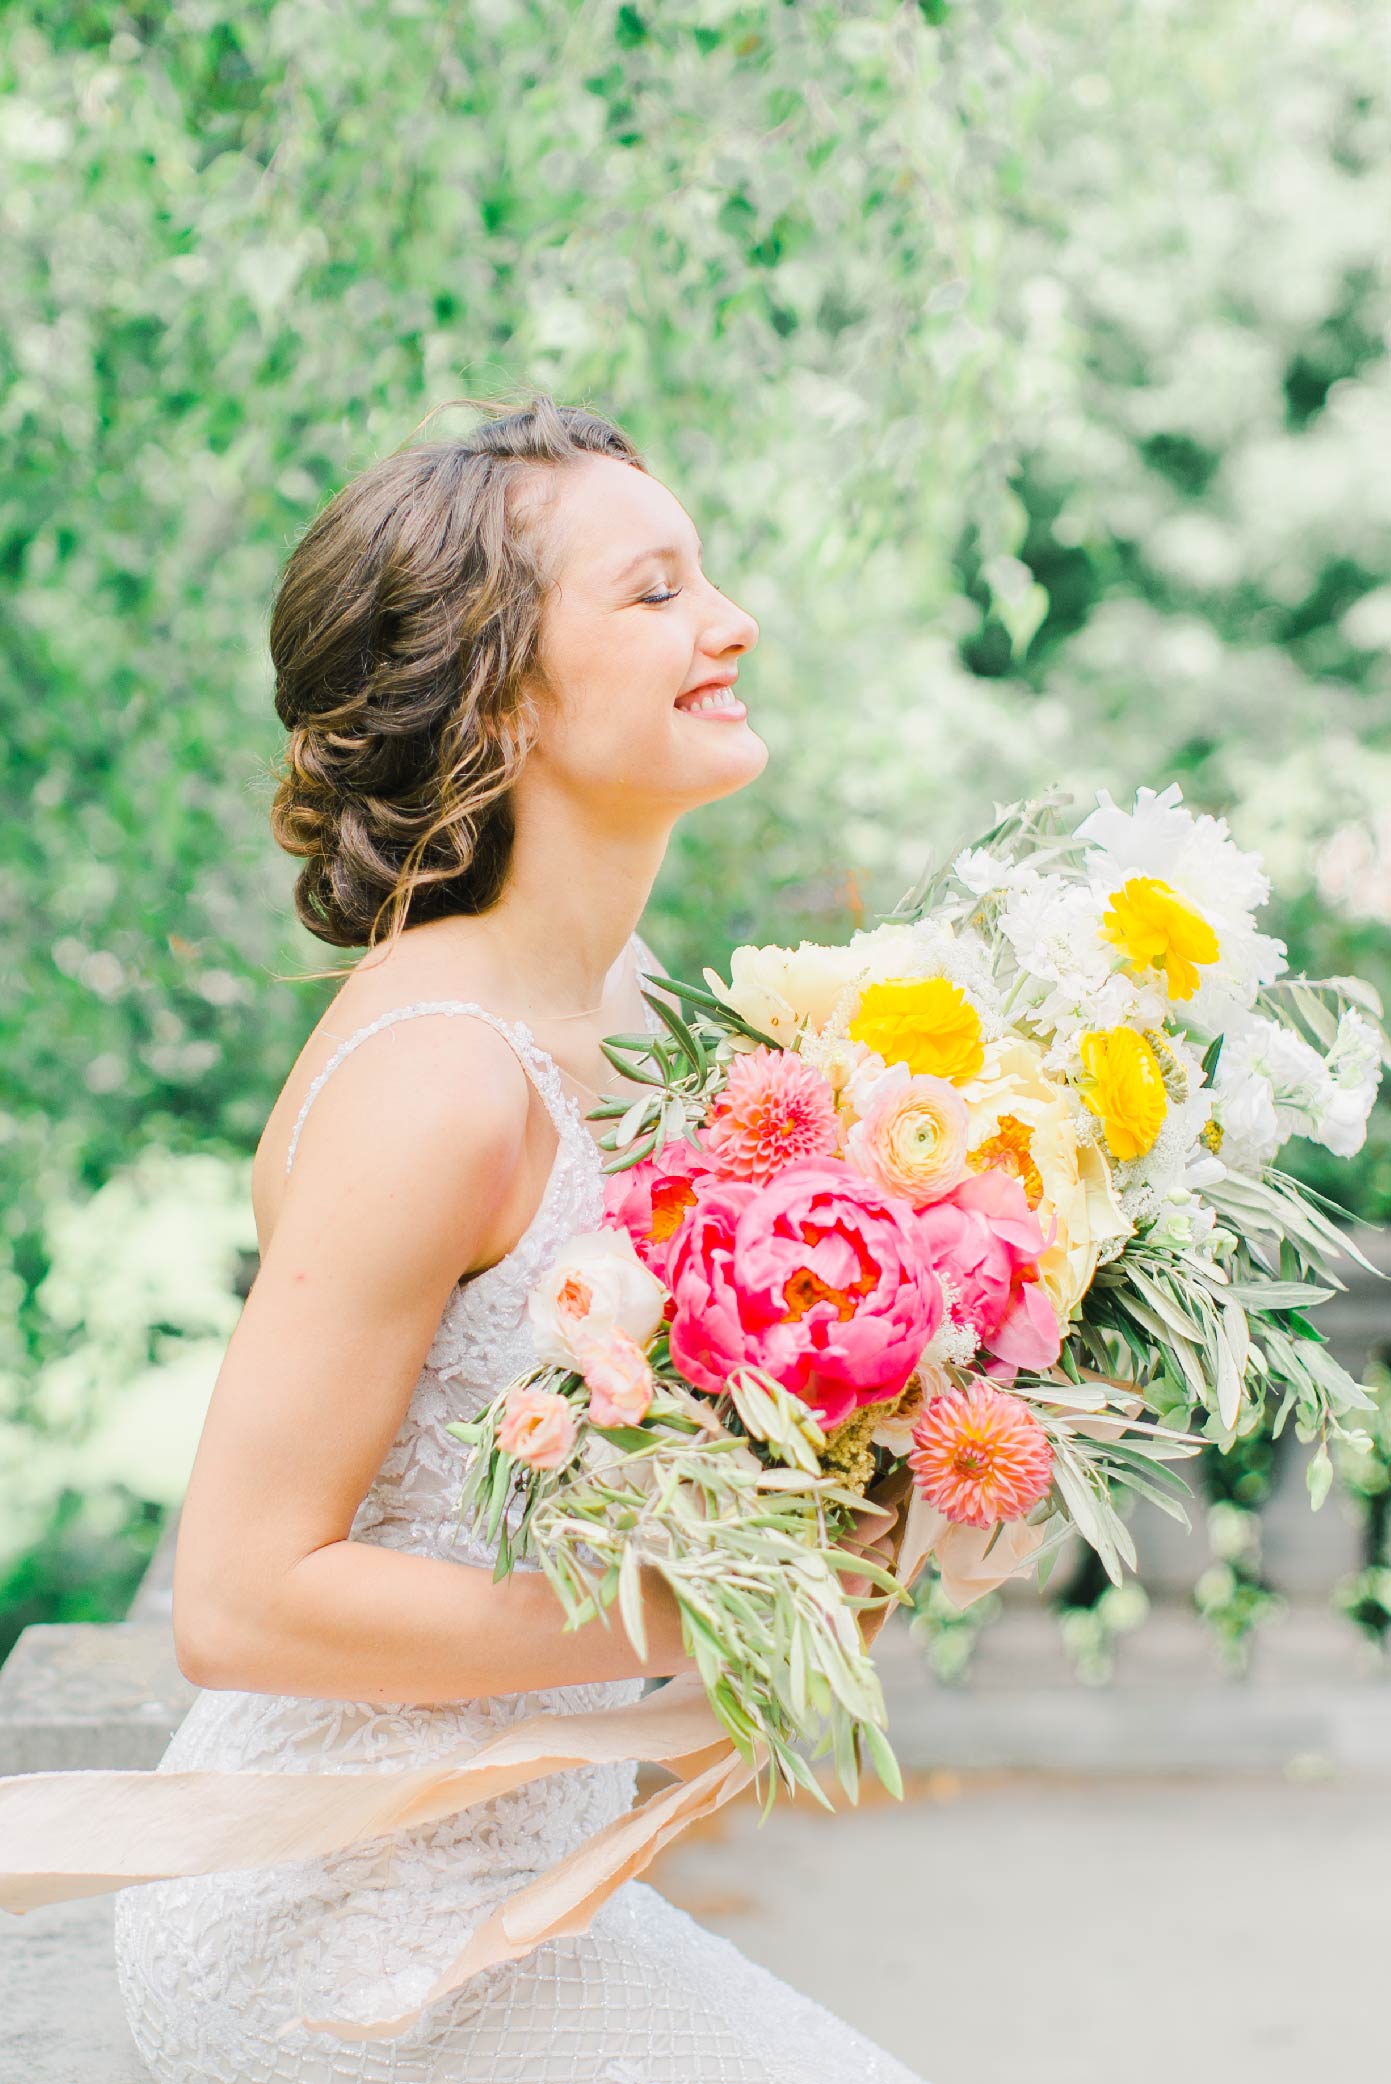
(1025, 370)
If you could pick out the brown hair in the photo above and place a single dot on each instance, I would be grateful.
(407, 619)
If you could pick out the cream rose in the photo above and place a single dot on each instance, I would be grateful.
(598, 1285)
(1020, 1118)
(779, 989)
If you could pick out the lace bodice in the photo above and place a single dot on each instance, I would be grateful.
(483, 1338)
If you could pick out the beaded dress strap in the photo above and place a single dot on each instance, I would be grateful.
(539, 1066)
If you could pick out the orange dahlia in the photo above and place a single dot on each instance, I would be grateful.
(979, 1455)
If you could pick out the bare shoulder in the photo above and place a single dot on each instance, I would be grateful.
(427, 1107)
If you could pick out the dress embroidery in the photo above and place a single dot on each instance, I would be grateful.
(209, 1966)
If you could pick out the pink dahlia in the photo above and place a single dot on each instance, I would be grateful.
(775, 1109)
(651, 1200)
(816, 1276)
(984, 1240)
(979, 1455)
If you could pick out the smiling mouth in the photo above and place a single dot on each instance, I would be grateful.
(710, 701)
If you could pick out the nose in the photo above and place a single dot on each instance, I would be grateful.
(735, 629)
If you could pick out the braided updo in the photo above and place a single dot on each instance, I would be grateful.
(407, 620)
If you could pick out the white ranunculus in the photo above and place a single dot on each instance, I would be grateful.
(597, 1285)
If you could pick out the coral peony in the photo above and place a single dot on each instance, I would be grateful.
(620, 1380)
(911, 1136)
(774, 1110)
(984, 1240)
(816, 1276)
(979, 1455)
(596, 1284)
(650, 1200)
(538, 1426)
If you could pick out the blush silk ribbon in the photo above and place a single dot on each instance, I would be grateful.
(91, 1832)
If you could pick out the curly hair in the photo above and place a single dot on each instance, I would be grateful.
(405, 637)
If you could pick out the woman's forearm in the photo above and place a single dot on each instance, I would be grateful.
(356, 1621)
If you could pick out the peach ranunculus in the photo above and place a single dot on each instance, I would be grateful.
(620, 1380)
(1021, 1122)
(911, 1136)
(817, 1276)
(781, 990)
(651, 1200)
(538, 1426)
(597, 1285)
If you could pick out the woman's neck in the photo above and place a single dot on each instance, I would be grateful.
(576, 888)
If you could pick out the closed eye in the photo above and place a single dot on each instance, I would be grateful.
(658, 599)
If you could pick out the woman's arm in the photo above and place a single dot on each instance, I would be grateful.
(422, 1158)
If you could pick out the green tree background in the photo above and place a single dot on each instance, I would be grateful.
(1026, 373)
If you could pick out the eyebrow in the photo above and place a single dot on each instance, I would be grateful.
(658, 550)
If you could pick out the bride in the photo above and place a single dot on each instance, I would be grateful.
(504, 675)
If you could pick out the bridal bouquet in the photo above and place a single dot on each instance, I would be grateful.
(977, 1213)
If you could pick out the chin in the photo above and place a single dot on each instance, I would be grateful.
(728, 766)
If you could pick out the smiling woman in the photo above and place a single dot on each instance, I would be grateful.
(500, 664)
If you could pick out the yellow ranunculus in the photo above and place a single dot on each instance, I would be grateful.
(1157, 930)
(1125, 1087)
(1021, 1120)
(927, 1023)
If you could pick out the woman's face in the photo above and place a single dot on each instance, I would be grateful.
(632, 633)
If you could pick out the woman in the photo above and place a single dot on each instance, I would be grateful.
(505, 675)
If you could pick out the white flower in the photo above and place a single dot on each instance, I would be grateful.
(982, 872)
(1054, 928)
(596, 1286)
(1353, 1068)
(779, 989)
(1201, 864)
(1270, 1085)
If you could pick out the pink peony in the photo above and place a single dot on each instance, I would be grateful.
(984, 1240)
(652, 1199)
(620, 1380)
(538, 1427)
(980, 1455)
(775, 1110)
(817, 1277)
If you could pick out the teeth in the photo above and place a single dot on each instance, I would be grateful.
(717, 698)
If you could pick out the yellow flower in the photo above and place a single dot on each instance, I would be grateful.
(1021, 1120)
(927, 1023)
(1125, 1087)
(1156, 930)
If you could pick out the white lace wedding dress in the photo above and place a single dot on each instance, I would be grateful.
(210, 1966)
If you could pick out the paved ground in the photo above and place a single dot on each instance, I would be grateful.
(1016, 1930)
(1002, 1929)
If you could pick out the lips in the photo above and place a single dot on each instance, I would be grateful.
(718, 692)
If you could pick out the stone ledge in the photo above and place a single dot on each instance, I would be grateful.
(79, 1694)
